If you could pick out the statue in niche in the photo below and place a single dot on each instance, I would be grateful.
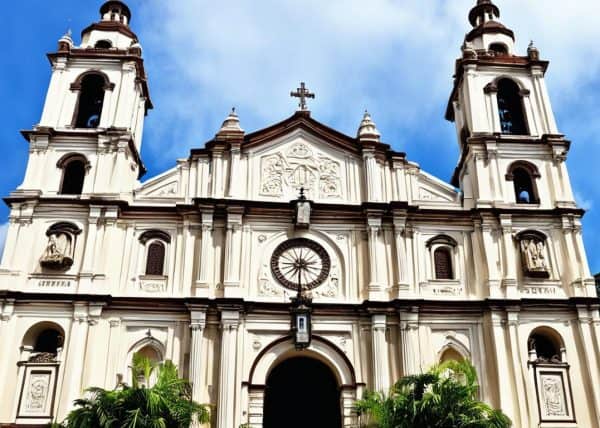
(533, 252)
(552, 396)
(57, 254)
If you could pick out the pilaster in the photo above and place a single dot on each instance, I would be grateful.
(510, 274)
(230, 321)
(585, 320)
(233, 252)
(381, 373)
(409, 341)
(512, 317)
(402, 267)
(376, 287)
(197, 360)
(205, 260)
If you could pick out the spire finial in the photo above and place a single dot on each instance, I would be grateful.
(367, 131)
(231, 123)
(482, 12)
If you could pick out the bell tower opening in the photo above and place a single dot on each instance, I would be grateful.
(302, 392)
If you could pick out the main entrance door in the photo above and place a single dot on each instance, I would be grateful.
(302, 392)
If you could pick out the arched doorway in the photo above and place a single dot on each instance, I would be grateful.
(302, 392)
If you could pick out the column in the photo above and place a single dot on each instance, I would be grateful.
(234, 178)
(233, 251)
(217, 174)
(9, 244)
(517, 363)
(110, 378)
(376, 291)
(71, 387)
(401, 260)
(529, 115)
(510, 273)
(586, 276)
(95, 350)
(501, 353)
(409, 341)
(586, 331)
(7, 332)
(381, 374)
(372, 178)
(105, 119)
(490, 249)
(87, 268)
(197, 325)
(205, 261)
(189, 238)
(230, 320)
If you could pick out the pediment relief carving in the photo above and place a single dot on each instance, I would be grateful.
(285, 172)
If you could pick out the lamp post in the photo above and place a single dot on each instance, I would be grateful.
(301, 310)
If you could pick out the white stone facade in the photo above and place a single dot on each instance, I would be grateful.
(418, 270)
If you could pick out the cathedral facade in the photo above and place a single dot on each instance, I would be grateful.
(288, 269)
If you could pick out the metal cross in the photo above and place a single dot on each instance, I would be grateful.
(303, 94)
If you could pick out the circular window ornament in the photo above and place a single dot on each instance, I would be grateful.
(300, 262)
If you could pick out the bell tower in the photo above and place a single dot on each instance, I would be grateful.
(511, 152)
(88, 140)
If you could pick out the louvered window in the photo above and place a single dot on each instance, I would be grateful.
(443, 264)
(155, 261)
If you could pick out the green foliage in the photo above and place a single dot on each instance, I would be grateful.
(165, 404)
(444, 397)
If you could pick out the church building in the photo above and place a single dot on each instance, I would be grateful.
(287, 270)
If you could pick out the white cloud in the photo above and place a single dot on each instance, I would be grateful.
(394, 57)
(3, 231)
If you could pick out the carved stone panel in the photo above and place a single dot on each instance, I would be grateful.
(554, 395)
(285, 172)
(37, 393)
(534, 255)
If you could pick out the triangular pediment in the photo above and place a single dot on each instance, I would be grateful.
(302, 120)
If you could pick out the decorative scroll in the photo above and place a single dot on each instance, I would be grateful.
(286, 173)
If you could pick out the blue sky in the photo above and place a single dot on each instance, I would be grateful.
(394, 57)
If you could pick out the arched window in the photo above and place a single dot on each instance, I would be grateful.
(103, 44)
(442, 256)
(523, 175)
(510, 108)
(499, 48)
(544, 347)
(451, 354)
(91, 100)
(48, 341)
(155, 259)
(443, 263)
(523, 187)
(73, 177)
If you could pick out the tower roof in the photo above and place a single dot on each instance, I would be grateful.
(116, 5)
(483, 10)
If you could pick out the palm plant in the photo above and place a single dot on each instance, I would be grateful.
(161, 401)
(444, 397)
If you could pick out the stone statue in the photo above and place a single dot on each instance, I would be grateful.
(303, 213)
(534, 257)
(57, 254)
